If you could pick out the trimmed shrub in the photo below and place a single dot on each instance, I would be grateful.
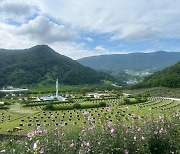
(76, 106)
(49, 107)
(102, 104)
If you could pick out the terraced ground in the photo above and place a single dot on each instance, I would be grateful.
(28, 118)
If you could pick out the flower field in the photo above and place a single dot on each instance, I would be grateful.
(147, 127)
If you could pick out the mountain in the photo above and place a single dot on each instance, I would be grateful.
(168, 77)
(41, 64)
(134, 61)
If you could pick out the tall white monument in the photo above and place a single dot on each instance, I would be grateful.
(57, 86)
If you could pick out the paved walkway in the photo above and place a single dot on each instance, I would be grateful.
(176, 99)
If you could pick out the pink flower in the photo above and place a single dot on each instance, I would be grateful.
(85, 113)
(135, 138)
(108, 109)
(87, 144)
(41, 150)
(143, 138)
(132, 115)
(109, 124)
(38, 127)
(155, 132)
(139, 129)
(71, 145)
(126, 151)
(31, 134)
(62, 125)
(112, 130)
(89, 118)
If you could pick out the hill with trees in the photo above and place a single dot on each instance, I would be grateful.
(41, 64)
(168, 77)
(134, 61)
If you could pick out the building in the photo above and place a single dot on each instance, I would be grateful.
(52, 98)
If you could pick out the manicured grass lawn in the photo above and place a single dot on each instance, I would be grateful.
(29, 117)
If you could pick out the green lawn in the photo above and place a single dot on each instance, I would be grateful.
(28, 118)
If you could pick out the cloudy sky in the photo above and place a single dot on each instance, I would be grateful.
(80, 28)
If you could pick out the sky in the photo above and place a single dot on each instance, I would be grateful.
(82, 28)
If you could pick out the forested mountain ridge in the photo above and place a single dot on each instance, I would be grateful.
(168, 77)
(41, 64)
(134, 61)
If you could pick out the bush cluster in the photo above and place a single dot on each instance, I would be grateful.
(74, 106)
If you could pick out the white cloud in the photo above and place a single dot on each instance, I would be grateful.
(16, 10)
(45, 31)
(89, 39)
(160, 17)
(136, 32)
(137, 20)
(100, 48)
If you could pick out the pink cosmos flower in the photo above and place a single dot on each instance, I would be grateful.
(31, 134)
(139, 129)
(39, 131)
(108, 109)
(132, 115)
(87, 144)
(85, 113)
(109, 124)
(112, 130)
(126, 151)
(41, 150)
(89, 118)
(62, 125)
(71, 145)
(155, 132)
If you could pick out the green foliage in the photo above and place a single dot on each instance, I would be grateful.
(76, 106)
(2, 107)
(137, 99)
(49, 107)
(42, 65)
(52, 107)
(126, 101)
(133, 61)
(154, 136)
(169, 77)
(2, 95)
(102, 104)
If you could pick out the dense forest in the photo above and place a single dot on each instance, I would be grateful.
(168, 77)
(134, 61)
(42, 65)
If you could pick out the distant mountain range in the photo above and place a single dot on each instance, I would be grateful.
(134, 61)
(168, 77)
(41, 64)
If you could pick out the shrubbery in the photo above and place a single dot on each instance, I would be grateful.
(74, 106)
(134, 100)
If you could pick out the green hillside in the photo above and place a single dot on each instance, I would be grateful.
(169, 77)
(134, 61)
(41, 64)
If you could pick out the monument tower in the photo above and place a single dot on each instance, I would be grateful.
(57, 86)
